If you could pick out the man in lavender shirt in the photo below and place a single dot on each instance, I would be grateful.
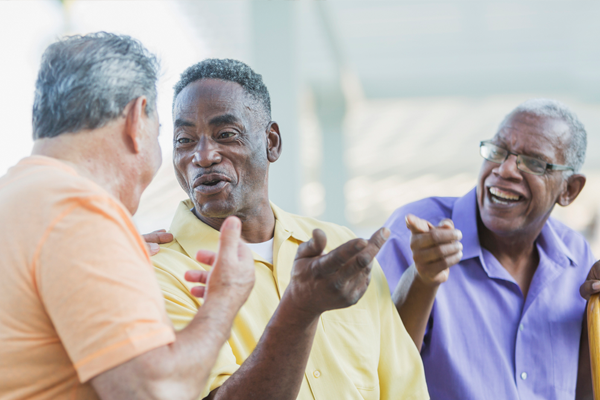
(506, 321)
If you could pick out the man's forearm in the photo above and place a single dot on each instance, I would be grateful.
(179, 370)
(276, 367)
(414, 301)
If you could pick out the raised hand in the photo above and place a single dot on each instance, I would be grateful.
(322, 282)
(231, 277)
(435, 249)
(153, 239)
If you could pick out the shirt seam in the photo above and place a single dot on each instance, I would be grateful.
(121, 343)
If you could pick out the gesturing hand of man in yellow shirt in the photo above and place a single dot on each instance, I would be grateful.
(335, 280)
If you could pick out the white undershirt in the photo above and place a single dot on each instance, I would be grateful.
(264, 249)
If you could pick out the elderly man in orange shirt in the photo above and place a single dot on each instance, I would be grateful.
(81, 313)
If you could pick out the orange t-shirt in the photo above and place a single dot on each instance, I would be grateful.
(78, 294)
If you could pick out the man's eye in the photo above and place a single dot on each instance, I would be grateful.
(183, 140)
(226, 135)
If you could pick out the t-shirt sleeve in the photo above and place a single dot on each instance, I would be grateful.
(400, 369)
(170, 267)
(96, 282)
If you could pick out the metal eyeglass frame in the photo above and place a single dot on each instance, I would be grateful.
(549, 167)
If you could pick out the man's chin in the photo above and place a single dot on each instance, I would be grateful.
(502, 226)
(214, 208)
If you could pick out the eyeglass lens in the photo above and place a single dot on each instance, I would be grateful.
(527, 164)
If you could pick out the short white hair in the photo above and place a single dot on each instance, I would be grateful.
(575, 152)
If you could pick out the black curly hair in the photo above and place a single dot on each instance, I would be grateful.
(232, 71)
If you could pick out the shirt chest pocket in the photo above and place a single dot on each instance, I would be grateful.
(354, 338)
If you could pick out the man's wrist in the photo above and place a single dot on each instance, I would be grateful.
(292, 314)
(424, 282)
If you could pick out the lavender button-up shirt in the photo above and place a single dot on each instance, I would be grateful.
(484, 340)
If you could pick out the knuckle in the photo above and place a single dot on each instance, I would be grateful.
(363, 260)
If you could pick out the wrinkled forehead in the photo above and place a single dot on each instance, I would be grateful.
(206, 98)
(539, 136)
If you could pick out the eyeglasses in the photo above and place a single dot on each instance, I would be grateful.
(531, 165)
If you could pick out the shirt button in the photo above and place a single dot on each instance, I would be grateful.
(521, 327)
(317, 373)
(523, 375)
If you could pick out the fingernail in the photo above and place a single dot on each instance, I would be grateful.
(233, 223)
(153, 247)
(460, 246)
(385, 233)
(596, 286)
(459, 234)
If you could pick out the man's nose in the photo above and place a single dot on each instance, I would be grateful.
(508, 169)
(207, 153)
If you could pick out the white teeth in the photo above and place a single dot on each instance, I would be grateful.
(503, 195)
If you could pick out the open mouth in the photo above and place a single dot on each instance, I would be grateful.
(211, 183)
(499, 196)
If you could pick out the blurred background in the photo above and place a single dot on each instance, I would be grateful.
(380, 103)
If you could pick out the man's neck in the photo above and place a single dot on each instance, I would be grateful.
(258, 222)
(98, 164)
(516, 253)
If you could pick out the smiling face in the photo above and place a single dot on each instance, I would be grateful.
(220, 149)
(512, 202)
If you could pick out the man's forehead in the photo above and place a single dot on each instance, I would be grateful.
(210, 95)
(533, 134)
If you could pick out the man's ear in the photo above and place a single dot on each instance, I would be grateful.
(575, 184)
(273, 142)
(134, 123)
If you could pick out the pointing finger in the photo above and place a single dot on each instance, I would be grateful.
(434, 238)
(446, 223)
(335, 259)
(417, 225)
(231, 230)
(364, 259)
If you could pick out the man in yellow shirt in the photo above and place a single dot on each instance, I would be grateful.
(313, 326)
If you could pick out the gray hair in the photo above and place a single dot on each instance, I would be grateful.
(575, 152)
(85, 82)
(231, 71)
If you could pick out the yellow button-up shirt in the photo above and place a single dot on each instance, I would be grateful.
(360, 352)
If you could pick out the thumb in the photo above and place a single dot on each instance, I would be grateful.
(229, 239)
(417, 225)
(446, 223)
(314, 247)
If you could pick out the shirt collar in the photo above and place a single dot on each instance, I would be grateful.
(193, 234)
(289, 225)
(464, 216)
(555, 248)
